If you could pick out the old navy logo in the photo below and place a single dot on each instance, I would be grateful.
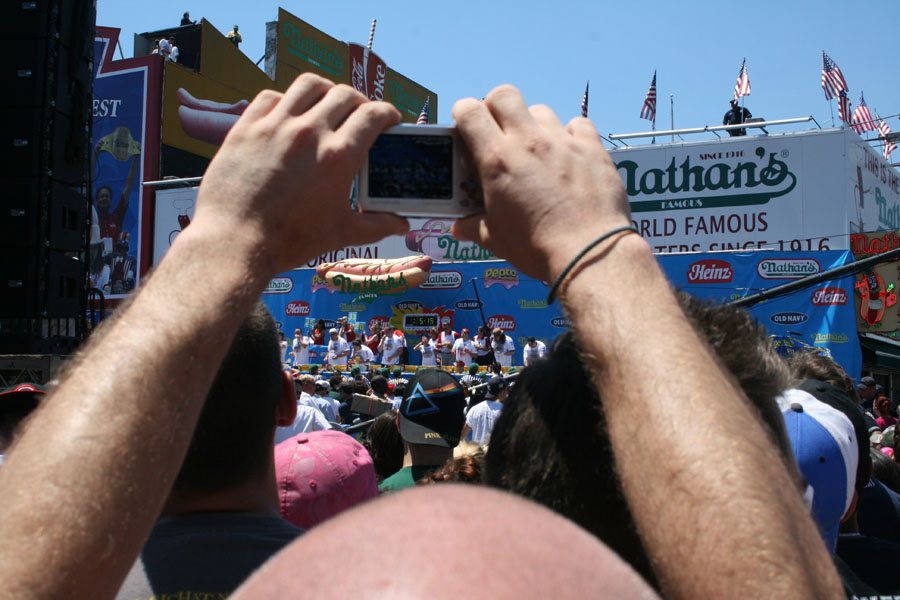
(684, 178)
(789, 318)
(419, 393)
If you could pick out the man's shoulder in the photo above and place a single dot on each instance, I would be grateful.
(210, 552)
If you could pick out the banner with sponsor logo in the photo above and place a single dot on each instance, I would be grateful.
(821, 316)
(876, 288)
(302, 48)
(798, 191)
(495, 292)
(125, 151)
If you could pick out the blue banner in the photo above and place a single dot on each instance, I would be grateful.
(496, 293)
(118, 142)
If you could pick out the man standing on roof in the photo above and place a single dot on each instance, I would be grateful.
(234, 36)
(735, 116)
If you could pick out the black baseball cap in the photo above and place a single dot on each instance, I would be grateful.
(432, 409)
(494, 385)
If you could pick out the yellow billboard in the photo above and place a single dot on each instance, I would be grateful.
(409, 97)
(303, 48)
(200, 107)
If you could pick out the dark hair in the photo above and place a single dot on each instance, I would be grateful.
(104, 187)
(379, 384)
(882, 406)
(232, 443)
(400, 390)
(385, 445)
(885, 470)
(335, 381)
(743, 347)
(558, 453)
(812, 364)
(460, 469)
(346, 388)
(359, 386)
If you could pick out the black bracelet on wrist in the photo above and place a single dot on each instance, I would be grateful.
(555, 287)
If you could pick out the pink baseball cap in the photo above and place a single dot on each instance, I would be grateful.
(321, 474)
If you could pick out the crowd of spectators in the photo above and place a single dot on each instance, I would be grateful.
(658, 448)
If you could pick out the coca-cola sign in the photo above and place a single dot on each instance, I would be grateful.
(297, 308)
(504, 322)
(711, 270)
(829, 296)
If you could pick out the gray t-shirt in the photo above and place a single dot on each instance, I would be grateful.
(204, 555)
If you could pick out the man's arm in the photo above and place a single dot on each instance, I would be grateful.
(120, 423)
(719, 518)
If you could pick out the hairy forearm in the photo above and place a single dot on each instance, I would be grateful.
(119, 441)
(707, 489)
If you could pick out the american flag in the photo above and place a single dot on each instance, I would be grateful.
(742, 87)
(832, 79)
(649, 109)
(862, 118)
(423, 116)
(884, 130)
(584, 101)
(844, 108)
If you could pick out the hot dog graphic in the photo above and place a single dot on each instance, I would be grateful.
(376, 276)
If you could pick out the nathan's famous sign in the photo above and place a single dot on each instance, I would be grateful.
(796, 191)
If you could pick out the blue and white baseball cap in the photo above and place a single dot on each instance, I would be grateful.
(825, 446)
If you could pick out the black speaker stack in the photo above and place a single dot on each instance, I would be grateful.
(46, 85)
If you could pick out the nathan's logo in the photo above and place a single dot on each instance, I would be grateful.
(829, 296)
(508, 278)
(371, 286)
(311, 51)
(504, 322)
(710, 271)
(468, 305)
(525, 304)
(443, 280)
(773, 180)
(561, 322)
(456, 250)
(789, 318)
(787, 268)
(279, 285)
(409, 306)
(296, 308)
(830, 338)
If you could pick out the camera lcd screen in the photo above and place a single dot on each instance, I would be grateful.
(411, 166)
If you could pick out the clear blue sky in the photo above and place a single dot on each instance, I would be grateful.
(549, 49)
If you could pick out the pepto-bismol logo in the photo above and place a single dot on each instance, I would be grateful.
(710, 271)
(789, 318)
(787, 268)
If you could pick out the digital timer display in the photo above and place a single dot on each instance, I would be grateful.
(420, 322)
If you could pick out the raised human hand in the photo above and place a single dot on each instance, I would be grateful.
(549, 189)
(290, 157)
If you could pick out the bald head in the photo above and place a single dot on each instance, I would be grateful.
(513, 549)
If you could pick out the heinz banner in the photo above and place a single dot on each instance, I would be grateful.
(806, 190)
(497, 294)
(119, 161)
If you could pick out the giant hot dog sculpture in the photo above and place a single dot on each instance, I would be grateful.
(376, 276)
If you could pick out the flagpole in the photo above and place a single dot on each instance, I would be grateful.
(672, 113)
(653, 127)
(831, 108)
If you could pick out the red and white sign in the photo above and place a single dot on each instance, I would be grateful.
(504, 322)
(710, 271)
(297, 308)
(377, 322)
(829, 296)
